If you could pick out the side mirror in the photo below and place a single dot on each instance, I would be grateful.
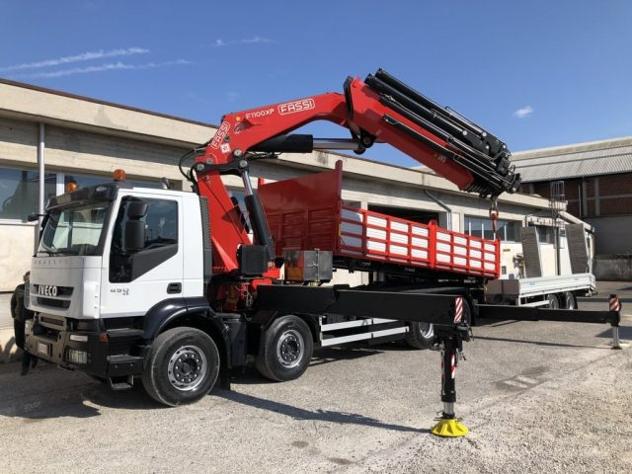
(33, 217)
(136, 210)
(135, 235)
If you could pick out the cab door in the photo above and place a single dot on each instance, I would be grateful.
(139, 275)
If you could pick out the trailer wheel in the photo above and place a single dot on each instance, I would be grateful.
(181, 367)
(570, 300)
(286, 349)
(554, 301)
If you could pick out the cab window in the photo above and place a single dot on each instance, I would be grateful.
(160, 240)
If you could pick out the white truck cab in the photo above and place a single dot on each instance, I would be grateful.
(108, 256)
(84, 268)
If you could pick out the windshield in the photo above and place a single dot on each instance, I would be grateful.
(74, 230)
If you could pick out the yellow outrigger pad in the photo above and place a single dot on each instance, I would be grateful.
(449, 428)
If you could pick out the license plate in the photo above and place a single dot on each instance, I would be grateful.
(42, 348)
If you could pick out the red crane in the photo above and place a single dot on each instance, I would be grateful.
(380, 109)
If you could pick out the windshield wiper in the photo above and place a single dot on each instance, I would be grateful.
(67, 251)
(58, 252)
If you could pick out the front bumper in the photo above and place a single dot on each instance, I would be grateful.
(85, 345)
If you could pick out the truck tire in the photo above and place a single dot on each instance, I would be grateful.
(286, 349)
(181, 366)
(570, 300)
(554, 301)
(420, 335)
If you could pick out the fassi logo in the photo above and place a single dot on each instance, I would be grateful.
(296, 106)
(220, 134)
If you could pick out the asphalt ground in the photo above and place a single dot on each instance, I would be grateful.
(537, 396)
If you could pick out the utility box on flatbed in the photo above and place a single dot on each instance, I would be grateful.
(308, 265)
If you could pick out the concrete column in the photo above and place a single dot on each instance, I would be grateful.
(584, 212)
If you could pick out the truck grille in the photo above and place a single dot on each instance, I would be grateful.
(61, 304)
(52, 296)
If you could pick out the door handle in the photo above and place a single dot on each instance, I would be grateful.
(174, 288)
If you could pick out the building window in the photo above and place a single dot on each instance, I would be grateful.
(84, 180)
(19, 191)
(507, 231)
(546, 234)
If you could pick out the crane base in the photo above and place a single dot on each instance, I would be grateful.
(449, 428)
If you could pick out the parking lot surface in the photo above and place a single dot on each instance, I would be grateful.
(536, 396)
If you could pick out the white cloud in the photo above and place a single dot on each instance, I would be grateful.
(104, 67)
(232, 96)
(219, 43)
(87, 56)
(523, 112)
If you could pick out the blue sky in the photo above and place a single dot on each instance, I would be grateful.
(536, 73)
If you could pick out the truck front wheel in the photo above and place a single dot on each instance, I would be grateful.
(286, 349)
(181, 367)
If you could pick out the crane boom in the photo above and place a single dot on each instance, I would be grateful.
(380, 109)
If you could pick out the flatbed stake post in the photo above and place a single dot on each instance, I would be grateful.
(448, 426)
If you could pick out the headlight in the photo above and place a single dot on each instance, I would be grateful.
(77, 357)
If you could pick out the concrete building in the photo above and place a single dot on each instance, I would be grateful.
(84, 140)
(597, 179)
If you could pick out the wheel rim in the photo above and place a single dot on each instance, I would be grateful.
(571, 303)
(426, 330)
(290, 348)
(187, 368)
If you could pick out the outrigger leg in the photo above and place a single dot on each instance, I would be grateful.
(449, 426)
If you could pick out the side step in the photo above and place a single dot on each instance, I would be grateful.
(121, 370)
(121, 383)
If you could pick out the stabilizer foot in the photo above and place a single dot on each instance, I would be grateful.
(449, 428)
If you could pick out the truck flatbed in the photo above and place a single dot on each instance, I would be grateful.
(308, 213)
(533, 291)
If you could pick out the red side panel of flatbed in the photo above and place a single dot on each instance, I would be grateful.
(307, 213)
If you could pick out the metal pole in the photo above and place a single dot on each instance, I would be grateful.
(444, 206)
(558, 254)
(615, 338)
(42, 169)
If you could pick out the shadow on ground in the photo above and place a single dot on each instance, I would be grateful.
(49, 392)
(296, 413)
(625, 333)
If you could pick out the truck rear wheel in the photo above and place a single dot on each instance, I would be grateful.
(286, 349)
(420, 335)
(554, 301)
(570, 300)
(181, 367)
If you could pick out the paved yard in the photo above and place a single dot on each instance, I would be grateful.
(536, 396)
